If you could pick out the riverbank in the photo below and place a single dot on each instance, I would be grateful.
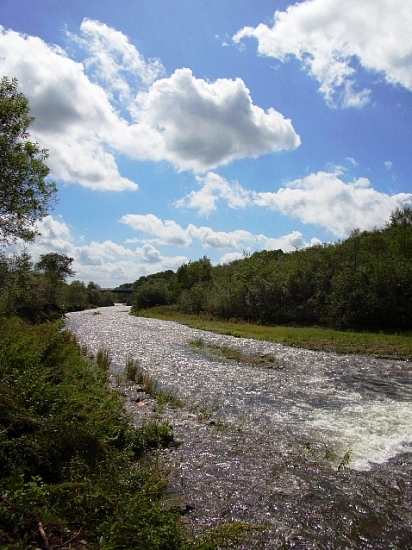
(70, 475)
(313, 449)
(381, 345)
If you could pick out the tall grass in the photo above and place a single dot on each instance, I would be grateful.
(378, 344)
(68, 456)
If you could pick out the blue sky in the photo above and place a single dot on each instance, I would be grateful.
(200, 127)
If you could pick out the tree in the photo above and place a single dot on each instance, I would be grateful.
(56, 266)
(25, 192)
(76, 295)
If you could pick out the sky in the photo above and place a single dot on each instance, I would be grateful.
(182, 129)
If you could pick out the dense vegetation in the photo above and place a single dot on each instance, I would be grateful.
(25, 191)
(362, 283)
(71, 474)
(39, 291)
(68, 455)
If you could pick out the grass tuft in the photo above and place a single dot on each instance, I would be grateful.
(233, 354)
(378, 344)
(103, 359)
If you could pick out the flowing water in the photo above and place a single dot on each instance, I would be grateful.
(315, 450)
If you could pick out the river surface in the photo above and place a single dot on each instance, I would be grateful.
(315, 450)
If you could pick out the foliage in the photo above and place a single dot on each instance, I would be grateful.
(363, 283)
(39, 292)
(55, 266)
(153, 290)
(25, 192)
(67, 451)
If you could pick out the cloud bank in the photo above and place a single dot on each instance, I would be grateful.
(330, 37)
(114, 102)
(169, 232)
(321, 199)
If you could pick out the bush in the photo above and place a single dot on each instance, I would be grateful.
(68, 454)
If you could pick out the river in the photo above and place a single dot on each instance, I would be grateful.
(316, 450)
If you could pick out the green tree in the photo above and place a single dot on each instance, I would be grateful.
(25, 192)
(21, 293)
(56, 266)
(76, 295)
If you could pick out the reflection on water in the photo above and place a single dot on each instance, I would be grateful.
(317, 449)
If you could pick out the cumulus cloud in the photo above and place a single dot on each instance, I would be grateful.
(214, 187)
(149, 253)
(113, 60)
(74, 118)
(207, 124)
(230, 257)
(169, 232)
(324, 199)
(115, 102)
(330, 36)
(116, 263)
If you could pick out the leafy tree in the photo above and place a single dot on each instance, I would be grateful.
(56, 266)
(25, 193)
(21, 292)
(76, 295)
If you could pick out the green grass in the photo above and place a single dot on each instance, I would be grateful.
(73, 472)
(391, 346)
(232, 354)
(135, 373)
(69, 459)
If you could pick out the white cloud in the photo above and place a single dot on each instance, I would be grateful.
(203, 124)
(214, 187)
(167, 232)
(149, 253)
(116, 264)
(220, 239)
(230, 257)
(74, 118)
(113, 61)
(325, 200)
(327, 36)
(114, 102)
(322, 199)
(388, 164)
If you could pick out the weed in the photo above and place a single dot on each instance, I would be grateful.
(146, 382)
(103, 359)
(168, 398)
(233, 354)
(203, 413)
(97, 312)
(135, 373)
(68, 454)
(131, 369)
(329, 454)
(344, 463)
(198, 343)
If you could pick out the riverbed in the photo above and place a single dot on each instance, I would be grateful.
(315, 449)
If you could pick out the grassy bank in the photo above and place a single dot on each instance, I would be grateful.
(69, 460)
(392, 346)
(74, 474)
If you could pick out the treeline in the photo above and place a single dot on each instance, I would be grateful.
(364, 282)
(39, 291)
